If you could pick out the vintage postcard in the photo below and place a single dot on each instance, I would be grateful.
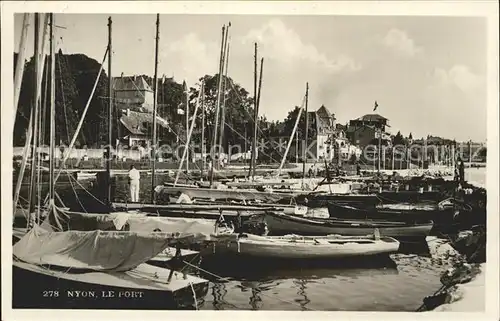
(333, 158)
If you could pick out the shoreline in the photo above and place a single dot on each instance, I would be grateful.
(463, 280)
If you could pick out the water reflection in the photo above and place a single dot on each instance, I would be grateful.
(218, 292)
(301, 292)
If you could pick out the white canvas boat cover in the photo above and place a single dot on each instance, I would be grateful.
(171, 225)
(134, 222)
(96, 250)
(63, 220)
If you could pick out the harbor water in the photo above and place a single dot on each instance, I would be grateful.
(396, 285)
(399, 284)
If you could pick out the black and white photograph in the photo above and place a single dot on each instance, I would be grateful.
(211, 156)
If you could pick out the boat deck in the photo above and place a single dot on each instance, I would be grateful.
(143, 277)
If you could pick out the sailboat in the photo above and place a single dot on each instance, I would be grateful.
(160, 200)
(95, 268)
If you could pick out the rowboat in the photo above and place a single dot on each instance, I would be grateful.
(280, 224)
(441, 213)
(301, 247)
(322, 199)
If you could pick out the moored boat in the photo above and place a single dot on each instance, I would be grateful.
(279, 224)
(321, 199)
(316, 247)
(441, 213)
(165, 192)
(97, 269)
(231, 212)
(144, 287)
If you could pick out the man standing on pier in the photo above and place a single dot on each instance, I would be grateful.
(134, 178)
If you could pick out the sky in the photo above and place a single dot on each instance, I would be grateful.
(427, 73)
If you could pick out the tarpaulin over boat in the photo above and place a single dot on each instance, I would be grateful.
(170, 225)
(95, 250)
(136, 222)
(63, 220)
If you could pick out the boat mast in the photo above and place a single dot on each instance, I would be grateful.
(35, 117)
(304, 154)
(110, 113)
(190, 131)
(255, 115)
(18, 78)
(294, 131)
(214, 134)
(41, 112)
(155, 90)
(257, 112)
(52, 111)
(202, 128)
(224, 79)
(29, 146)
(186, 96)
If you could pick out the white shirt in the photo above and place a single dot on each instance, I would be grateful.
(134, 175)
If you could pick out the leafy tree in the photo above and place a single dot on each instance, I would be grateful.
(75, 77)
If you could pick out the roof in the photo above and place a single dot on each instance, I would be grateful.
(325, 120)
(137, 122)
(324, 112)
(371, 117)
(341, 127)
(126, 83)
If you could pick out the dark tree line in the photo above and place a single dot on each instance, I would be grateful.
(75, 78)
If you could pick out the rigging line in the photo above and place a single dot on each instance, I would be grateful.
(63, 100)
(248, 113)
(67, 65)
(74, 191)
(81, 120)
(83, 187)
(282, 155)
(247, 140)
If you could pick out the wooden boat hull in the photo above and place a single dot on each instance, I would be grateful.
(323, 199)
(226, 194)
(323, 248)
(400, 215)
(368, 200)
(284, 224)
(36, 287)
(205, 212)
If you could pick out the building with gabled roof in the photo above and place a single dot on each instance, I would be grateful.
(133, 99)
(365, 130)
(132, 92)
(136, 128)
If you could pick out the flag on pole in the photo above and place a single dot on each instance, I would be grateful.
(376, 105)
